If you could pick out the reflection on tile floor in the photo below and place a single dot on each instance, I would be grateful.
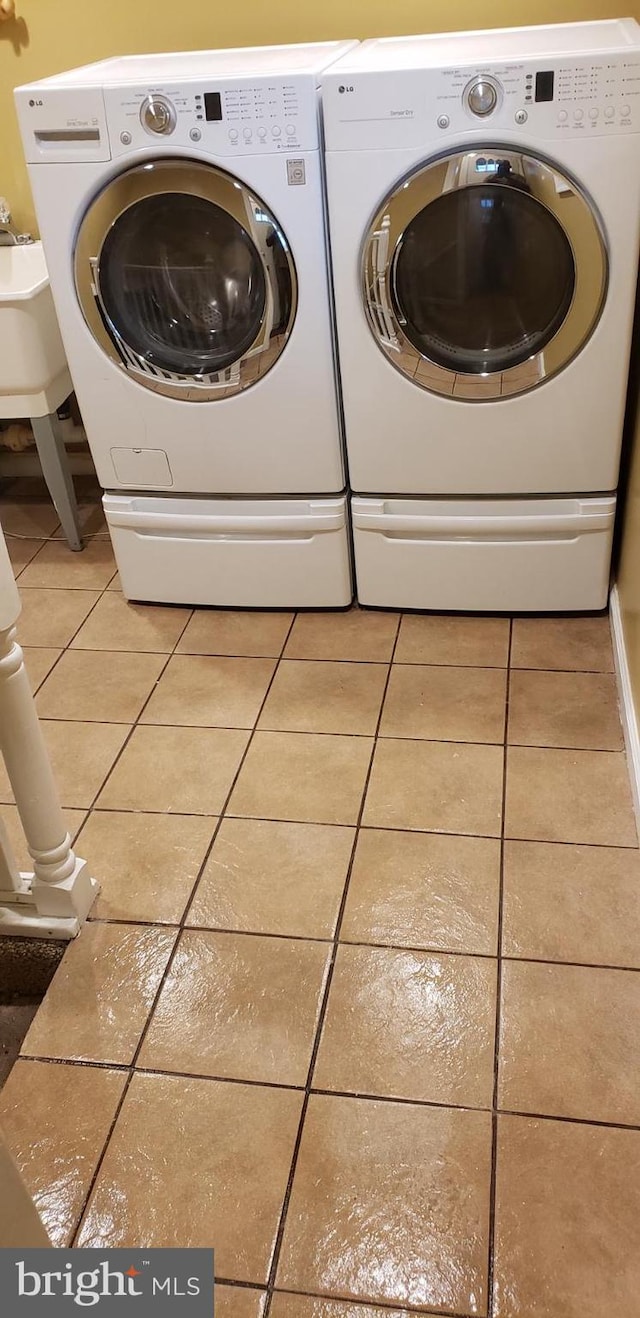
(359, 1000)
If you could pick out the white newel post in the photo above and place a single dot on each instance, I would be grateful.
(53, 901)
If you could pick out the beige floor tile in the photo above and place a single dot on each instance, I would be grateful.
(410, 1025)
(100, 997)
(570, 903)
(39, 661)
(238, 1007)
(224, 631)
(55, 1120)
(20, 551)
(115, 624)
(567, 1210)
(358, 635)
(390, 1202)
(115, 584)
(309, 1306)
(576, 644)
(52, 617)
(302, 777)
(147, 864)
(81, 756)
(175, 770)
(438, 786)
(569, 796)
(239, 1302)
(10, 817)
(203, 691)
(445, 704)
(444, 639)
(58, 567)
(28, 517)
(274, 878)
(96, 685)
(325, 697)
(197, 1161)
(575, 710)
(424, 890)
(569, 1042)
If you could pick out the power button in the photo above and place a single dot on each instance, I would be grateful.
(443, 121)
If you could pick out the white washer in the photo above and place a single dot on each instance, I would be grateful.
(181, 205)
(484, 203)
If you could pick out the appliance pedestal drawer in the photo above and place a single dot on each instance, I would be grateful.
(235, 553)
(484, 556)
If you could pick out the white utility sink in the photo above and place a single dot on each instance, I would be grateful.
(32, 357)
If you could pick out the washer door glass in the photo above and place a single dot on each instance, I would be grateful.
(185, 279)
(182, 284)
(483, 278)
(484, 273)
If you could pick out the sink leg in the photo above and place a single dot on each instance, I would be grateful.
(55, 469)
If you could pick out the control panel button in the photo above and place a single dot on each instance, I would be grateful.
(233, 134)
(443, 121)
(195, 134)
(625, 111)
(521, 116)
(158, 115)
(578, 114)
(593, 114)
(275, 131)
(125, 138)
(246, 133)
(609, 112)
(291, 130)
(562, 116)
(262, 133)
(482, 96)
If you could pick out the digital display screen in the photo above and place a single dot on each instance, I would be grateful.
(544, 86)
(213, 107)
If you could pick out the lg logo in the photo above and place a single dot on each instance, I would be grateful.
(32, 103)
(342, 89)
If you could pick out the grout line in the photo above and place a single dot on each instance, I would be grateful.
(174, 949)
(275, 1260)
(328, 939)
(371, 1303)
(100, 1160)
(125, 1068)
(176, 944)
(496, 1055)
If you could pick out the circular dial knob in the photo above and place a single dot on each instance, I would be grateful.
(158, 115)
(482, 96)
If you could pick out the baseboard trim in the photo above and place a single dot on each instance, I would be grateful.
(625, 692)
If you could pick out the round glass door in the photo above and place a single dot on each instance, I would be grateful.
(484, 274)
(186, 280)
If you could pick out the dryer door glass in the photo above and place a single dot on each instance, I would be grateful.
(185, 279)
(483, 279)
(484, 273)
(182, 284)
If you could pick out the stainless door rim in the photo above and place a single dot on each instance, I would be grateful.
(208, 182)
(559, 194)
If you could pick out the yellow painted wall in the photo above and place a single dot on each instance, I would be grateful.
(51, 35)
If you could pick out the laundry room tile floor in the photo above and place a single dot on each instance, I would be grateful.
(359, 1001)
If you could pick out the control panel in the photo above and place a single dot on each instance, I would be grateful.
(242, 118)
(553, 98)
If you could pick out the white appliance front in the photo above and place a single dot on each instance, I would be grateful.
(485, 555)
(535, 201)
(235, 553)
(178, 196)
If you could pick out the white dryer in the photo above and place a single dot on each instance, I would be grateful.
(484, 203)
(180, 199)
